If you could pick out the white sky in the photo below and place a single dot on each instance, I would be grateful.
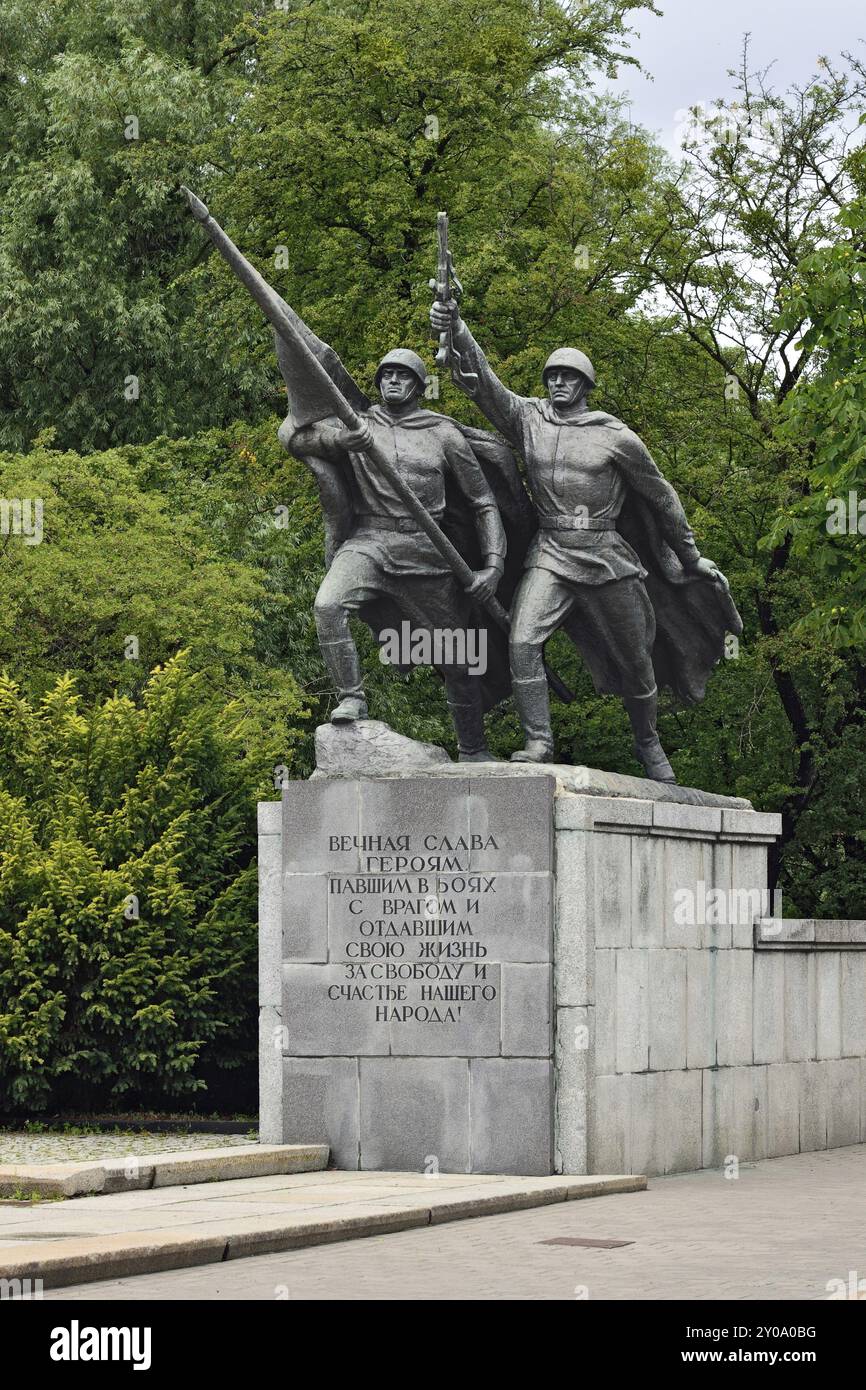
(690, 48)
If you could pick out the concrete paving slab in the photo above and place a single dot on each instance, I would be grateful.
(167, 1228)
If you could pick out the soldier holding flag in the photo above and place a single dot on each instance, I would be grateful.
(411, 503)
(386, 556)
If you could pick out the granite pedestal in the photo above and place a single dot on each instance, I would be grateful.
(494, 968)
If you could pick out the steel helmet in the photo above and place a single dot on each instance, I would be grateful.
(403, 357)
(573, 358)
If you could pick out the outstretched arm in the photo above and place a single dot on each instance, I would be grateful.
(328, 438)
(471, 371)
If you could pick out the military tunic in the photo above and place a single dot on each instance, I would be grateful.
(580, 571)
(579, 468)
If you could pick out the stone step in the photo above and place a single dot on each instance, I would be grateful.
(131, 1172)
(147, 1232)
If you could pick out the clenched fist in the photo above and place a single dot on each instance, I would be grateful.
(358, 440)
(443, 316)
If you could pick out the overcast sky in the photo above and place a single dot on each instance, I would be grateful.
(690, 48)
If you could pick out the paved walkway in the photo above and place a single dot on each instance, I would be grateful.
(782, 1230)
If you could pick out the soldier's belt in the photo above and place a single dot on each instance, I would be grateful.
(368, 522)
(576, 523)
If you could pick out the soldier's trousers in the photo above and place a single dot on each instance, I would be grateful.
(427, 601)
(615, 618)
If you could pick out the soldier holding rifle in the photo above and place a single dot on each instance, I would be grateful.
(614, 561)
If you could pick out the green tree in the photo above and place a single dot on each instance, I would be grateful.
(103, 107)
(107, 106)
(127, 893)
(729, 240)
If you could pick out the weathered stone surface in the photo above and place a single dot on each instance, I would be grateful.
(750, 899)
(417, 806)
(720, 859)
(272, 1040)
(369, 748)
(814, 1077)
(667, 1010)
(526, 1001)
(321, 1102)
(319, 1026)
(734, 1046)
(687, 880)
(843, 1102)
(749, 823)
(511, 1116)
(682, 1121)
(800, 1022)
(476, 1032)
(518, 814)
(590, 812)
(650, 905)
(611, 884)
(768, 1009)
(415, 1114)
(580, 781)
(692, 820)
(828, 1002)
(783, 1109)
(573, 1085)
(853, 1004)
(605, 1011)
(574, 921)
(735, 1115)
(313, 814)
(305, 917)
(270, 923)
(609, 1125)
(647, 1138)
(513, 919)
(632, 1010)
(700, 1009)
(698, 1039)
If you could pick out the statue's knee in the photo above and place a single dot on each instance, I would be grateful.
(525, 658)
(639, 684)
(329, 616)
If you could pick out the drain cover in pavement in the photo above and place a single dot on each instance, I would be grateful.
(585, 1241)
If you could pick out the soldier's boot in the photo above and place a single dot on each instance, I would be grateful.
(648, 750)
(533, 706)
(344, 665)
(467, 715)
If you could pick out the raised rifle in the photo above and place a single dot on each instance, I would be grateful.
(447, 287)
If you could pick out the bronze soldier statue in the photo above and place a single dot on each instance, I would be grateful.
(425, 519)
(414, 505)
(385, 555)
(614, 561)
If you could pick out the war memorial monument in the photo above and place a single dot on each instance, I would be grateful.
(523, 967)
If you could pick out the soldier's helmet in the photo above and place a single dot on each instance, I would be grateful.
(403, 357)
(573, 358)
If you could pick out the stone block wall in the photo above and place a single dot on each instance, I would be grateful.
(708, 1033)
